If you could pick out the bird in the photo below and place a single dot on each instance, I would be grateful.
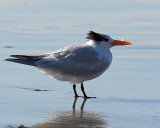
(75, 63)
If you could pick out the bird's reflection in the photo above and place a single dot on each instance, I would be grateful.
(74, 119)
(82, 106)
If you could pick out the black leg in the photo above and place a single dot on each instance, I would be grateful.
(75, 92)
(82, 88)
(85, 96)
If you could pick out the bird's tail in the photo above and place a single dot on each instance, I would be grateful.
(25, 59)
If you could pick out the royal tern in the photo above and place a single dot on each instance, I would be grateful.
(75, 63)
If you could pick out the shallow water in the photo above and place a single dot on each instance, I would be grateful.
(127, 93)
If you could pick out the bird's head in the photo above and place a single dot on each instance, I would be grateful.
(105, 40)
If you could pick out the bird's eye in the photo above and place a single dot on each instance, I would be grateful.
(105, 39)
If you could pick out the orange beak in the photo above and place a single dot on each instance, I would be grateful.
(120, 42)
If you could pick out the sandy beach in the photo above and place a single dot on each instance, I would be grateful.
(127, 93)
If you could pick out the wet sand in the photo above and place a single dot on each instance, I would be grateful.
(127, 93)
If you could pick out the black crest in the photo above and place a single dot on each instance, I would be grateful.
(96, 36)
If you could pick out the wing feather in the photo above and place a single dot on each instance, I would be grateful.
(74, 60)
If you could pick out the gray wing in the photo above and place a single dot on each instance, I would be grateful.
(75, 60)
